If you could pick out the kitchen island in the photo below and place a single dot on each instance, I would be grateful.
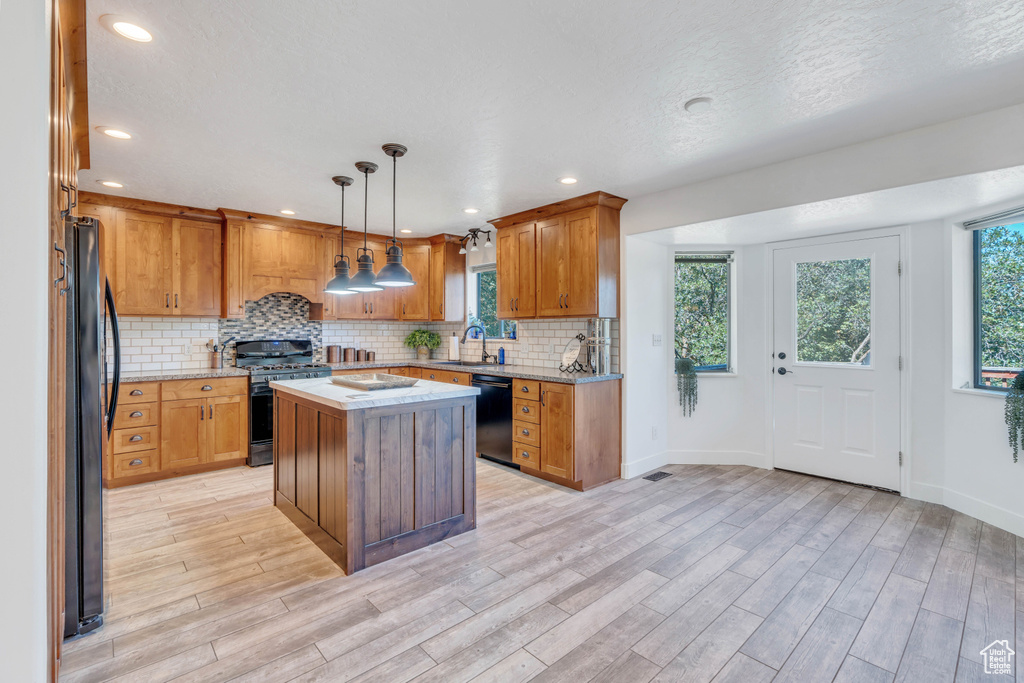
(369, 476)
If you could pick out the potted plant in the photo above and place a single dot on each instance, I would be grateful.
(1015, 414)
(424, 341)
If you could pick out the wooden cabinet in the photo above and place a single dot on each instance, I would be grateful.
(556, 418)
(447, 281)
(166, 429)
(166, 266)
(415, 300)
(517, 271)
(279, 259)
(575, 264)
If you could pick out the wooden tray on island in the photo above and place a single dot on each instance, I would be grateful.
(374, 381)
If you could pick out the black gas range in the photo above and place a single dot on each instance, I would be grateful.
(272, 360)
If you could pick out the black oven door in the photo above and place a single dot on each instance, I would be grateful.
(261, 426)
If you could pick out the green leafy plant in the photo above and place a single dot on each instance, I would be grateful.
(686, 384)
(1015, 414)
(418, 338)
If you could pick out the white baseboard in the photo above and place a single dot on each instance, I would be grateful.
(653, 462)
(969, 505)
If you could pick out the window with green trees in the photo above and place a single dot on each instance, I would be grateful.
(833, 311)
(702, 296)
(998, 305)
(483, 306)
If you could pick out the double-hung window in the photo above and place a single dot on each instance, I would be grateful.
(998, 303)
(483, 304)
(703, 303)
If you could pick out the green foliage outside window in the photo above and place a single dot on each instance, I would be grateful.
(487, 304)
(702, 311)
(1000, 301)
(833, 311)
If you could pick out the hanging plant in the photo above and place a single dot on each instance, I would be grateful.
(686, 383)
(1015, 414)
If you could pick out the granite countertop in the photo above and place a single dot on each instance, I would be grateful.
(167, 375)
(533, 372)
(324, 391)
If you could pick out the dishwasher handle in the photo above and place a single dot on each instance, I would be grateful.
(500, 385)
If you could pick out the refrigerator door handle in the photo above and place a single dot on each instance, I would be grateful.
(112, 404)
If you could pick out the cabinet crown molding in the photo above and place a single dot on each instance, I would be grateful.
(560, 207)
(147, 206)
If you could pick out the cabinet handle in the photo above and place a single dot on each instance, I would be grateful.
(525, 390)
(136, 413)
(211, 412)
(64, 267)
(567, 301)
(542, 392)
(135, 463)
(136, 437)
(202, 412)
(364, 308)
(525, 409)
(526, 455)
(526, 432)
(560, 297)
(207, 387)
(517, 303)
(371, 308)
(431, 377)
(135, 392)
(167, 301)
(455, 379)
(403, 309)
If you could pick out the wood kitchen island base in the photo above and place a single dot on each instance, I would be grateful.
(370, 484)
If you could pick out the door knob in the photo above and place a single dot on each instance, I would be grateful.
(784, 371)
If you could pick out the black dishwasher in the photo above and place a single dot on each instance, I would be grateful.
(494, 418)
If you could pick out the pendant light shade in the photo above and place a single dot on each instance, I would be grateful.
(394, 274)
(340, 283)
(363, 280)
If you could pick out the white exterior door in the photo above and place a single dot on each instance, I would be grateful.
(836, 379)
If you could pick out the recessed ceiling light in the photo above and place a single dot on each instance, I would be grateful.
(471, 211)
(109, 183)
(406, 231)
(114, 133)
(287, 212)
(568, 180)
(698, 105)
(126, 29)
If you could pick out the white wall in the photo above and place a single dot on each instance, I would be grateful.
(24, 80)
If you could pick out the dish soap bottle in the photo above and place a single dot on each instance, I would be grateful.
(501, 356)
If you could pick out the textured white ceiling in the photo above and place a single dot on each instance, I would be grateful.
(255, 104)
(962, 196)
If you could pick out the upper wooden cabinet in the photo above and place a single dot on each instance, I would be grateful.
(447, 280)
(165, 266)
(276, 259)
(415, 300)
(560, 260)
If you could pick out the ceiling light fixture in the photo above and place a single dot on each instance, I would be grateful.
(114, 133)
(471, 211)
(697, 105)
(341, 282)
(406, 231)
(363, 280)
(110, 183)
(126, 29)
(287, 212)
(471, 240)
(567, 180)
(394, 274)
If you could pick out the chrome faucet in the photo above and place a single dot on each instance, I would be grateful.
(483, 333)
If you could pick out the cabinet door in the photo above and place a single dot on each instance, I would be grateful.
(552, 267)
(581, 290)
(526, 258)
(197, 252)
(508, 273)
(383, 305)
(144, 264)
(227, 427)
(556, 420)
(183, 430)
(416, 299)
(232, 292)
(348, 306)
(437, 252)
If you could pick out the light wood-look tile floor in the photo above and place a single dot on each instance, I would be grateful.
(715, 573)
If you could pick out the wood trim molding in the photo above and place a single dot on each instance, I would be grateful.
(564, 206)
(72, 24)
(147, 206)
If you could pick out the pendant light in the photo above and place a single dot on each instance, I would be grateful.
(394, 274)
(363, 280)
(339, 284)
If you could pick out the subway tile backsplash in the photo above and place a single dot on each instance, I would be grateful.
(181, 343)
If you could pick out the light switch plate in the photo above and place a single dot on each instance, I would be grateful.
(655, 340)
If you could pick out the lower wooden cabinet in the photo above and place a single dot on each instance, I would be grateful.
(184, 427)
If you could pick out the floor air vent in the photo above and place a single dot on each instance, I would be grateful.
(657, 476)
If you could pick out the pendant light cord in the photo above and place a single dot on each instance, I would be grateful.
(394, 187)
(366, 198)
(342, 222)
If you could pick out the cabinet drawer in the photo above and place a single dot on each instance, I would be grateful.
(204, 388)
(138, 392)
(137, 415)
(461, 378)
(526, 433)
(526, 410)
(131, 440)
(524, 388)
(131, 464)
(526, 456)
(401, 372)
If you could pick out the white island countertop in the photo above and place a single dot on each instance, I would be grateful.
(325, 392)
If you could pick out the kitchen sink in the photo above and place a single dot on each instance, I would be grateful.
(468, 363)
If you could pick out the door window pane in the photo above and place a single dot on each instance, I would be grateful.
(833, 312)
(999, 302)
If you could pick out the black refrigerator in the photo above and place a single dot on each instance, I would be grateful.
(92, 388)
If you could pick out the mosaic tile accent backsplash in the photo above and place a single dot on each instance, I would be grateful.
(180, 343)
